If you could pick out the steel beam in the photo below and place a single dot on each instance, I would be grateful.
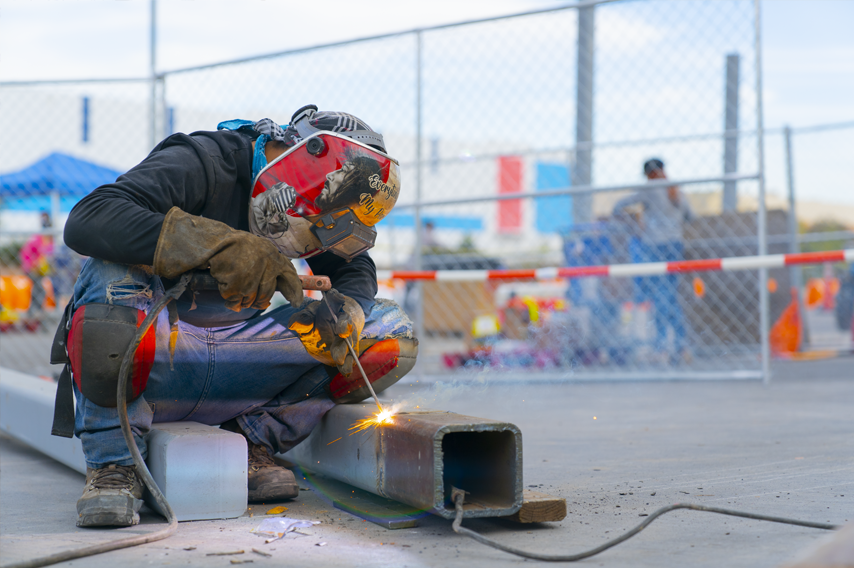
(200, 469)
(419, 457)
(26, 413)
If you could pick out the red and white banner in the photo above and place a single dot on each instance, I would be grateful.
(639, 269)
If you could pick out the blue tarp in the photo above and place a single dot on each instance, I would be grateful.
(70, 177)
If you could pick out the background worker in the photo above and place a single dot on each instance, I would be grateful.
(660, 214)
(218, 357)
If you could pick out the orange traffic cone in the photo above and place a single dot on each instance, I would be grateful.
(785, 337)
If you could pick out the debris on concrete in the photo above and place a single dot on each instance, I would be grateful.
(278, 527)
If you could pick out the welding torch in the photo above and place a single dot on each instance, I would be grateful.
(204, 281)
(353, 353)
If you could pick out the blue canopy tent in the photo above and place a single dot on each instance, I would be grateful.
(54, 183)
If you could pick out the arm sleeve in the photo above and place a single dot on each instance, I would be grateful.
(630, 200)
(120, 222)
(687, 212)
(356, 279)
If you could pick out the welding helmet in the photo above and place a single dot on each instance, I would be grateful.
(326, 192)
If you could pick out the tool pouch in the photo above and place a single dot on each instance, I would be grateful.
(99, 337)
(92, 344)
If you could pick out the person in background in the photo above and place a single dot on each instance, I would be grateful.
(660, 213)
(430, 243)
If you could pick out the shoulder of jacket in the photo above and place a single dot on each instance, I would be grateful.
(219, 141)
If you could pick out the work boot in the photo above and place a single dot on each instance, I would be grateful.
(112, 497)
(266, 480)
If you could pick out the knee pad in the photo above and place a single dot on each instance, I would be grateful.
(99, 337)
(385, 362)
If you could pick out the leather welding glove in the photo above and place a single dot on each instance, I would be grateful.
(323, 337)
(249, 268)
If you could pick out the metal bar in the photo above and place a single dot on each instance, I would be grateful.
(55, 211)
(161, 116)
(573, 6)
(582, 207)
(85, 127)
(39, 82)
(580, 190)
(152, 110)
(580, 145)
(823, 237)
(416, 459)
(730, 198)
(764, 316)
(777, 239)
(795, 274)
(419, 287)
(822, 127)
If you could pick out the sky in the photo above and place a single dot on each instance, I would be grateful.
(808, 47)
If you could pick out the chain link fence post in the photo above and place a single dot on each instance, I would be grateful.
(796, 272)
(586, 51)
(419, 172)
(764, 317)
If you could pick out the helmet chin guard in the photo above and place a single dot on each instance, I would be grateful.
(326, 193)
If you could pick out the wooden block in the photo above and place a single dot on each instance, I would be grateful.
(539, 508)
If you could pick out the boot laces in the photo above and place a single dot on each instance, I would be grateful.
(259, 457)
(114, 477)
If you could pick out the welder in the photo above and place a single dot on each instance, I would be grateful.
(240, 202)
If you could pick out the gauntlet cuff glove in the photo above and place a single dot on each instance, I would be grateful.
(323, 337)
(249, 268)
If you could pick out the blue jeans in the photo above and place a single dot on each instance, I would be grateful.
(256, 371)
(662, 290)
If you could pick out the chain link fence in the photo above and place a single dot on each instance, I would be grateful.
(562, 107)
(813, 161)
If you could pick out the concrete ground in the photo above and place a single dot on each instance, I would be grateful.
(614, 450)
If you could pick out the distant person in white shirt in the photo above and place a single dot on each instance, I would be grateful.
(662, 213)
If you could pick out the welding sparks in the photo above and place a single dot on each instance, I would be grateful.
(383, 417)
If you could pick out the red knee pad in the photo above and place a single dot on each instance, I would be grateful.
(99, 337)
(385, 362)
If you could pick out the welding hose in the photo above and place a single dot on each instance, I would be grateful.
(459, 497)
(141, 469)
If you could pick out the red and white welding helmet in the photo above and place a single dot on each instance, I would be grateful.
(325, 193)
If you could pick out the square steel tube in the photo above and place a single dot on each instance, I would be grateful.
(419, 457)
